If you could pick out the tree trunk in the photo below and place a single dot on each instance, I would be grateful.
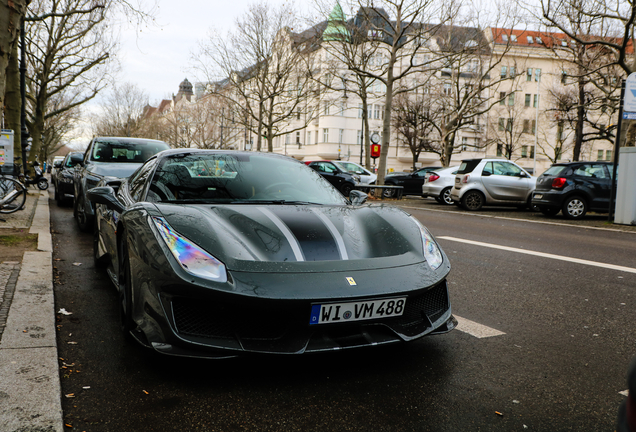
(13, 102)
(580, 119)
(11, 13)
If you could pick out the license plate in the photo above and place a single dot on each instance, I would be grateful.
(538, 196)
(356, 311)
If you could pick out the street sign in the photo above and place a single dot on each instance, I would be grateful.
(629, 102)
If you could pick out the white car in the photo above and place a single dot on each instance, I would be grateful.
(439, 183)
(366, 176)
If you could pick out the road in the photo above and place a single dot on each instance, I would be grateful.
(546, 333)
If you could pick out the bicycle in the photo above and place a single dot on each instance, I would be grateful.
(12, 192)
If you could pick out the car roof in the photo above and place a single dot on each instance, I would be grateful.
(582, 162)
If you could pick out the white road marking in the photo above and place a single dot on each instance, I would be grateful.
(544, 255)
(475, 329)
(624, 393)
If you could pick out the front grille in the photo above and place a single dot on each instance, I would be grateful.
(422, 310)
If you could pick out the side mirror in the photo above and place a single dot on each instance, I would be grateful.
(486, 173)
(105, 195)
(357, 197)
(57, 164)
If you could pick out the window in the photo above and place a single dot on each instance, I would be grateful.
(560, 127)
(511, 99)
(308, 137)
(538, 39)
(502, 124)
(360, 110)
(502, 98)
(526, 126)
(536, 101)
(298, 139)
(512, 71)
(527, 101)
(509, 124)
(529, 74)
(325, 135)
(513, 38)
(599, 156)
(359, 138)
(447, 89)
(286, 138)
(504, 71)
(608, 155)
(504, 38)
(298, 114)
(326, 108)
(464, 143)
(343, 107)
(534, 127)
(530, 40)
(564, 77)
(537, 74)
(375, 34)
(564, 43)
(478, 142)
(340, 136)
(524, 150)
(499, 153)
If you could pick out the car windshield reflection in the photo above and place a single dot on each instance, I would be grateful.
(239, 179)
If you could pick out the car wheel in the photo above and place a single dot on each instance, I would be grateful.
(445, 196)
(98, 261)
(549, 211)
(574, 207)
(43, 184)
(83, 221)
(472, 200)
(346, 189)
(388, 193)
(123, 279)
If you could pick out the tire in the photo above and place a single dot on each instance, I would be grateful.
(43, 184)
(388, 193)
(445, 196)
(473, 201)
(574, 208)
(125, 292)
(346, 189)
(18, 195)
(549, 211)
(84, 222)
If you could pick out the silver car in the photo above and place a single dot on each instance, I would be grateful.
(366, 176)
(480, 182)
(438, 184)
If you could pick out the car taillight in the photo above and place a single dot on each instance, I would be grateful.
(466, 178)
(433, 177)
(558, 182)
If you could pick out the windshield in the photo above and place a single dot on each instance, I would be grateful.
(554, 170)
(352, 168)
(126, 151)
(239, 178)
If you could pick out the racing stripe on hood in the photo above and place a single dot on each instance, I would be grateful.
(334, 232)
(293, 242)
(311, 233)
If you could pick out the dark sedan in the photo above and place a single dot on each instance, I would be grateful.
(220, 253)
(108, 157)
(411, 182)
(62, 178)
(342, 180)
(574, 188)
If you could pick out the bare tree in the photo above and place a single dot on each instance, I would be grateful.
(412, 123)
(11, 14)
(122, 112)
(260, 69)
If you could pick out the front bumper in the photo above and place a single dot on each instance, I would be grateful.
(185, 320)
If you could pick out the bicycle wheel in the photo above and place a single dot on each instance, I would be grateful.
(13, 195)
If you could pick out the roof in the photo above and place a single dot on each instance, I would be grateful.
(543, 39)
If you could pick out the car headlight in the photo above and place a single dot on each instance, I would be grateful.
(432, 252)
(191, 257)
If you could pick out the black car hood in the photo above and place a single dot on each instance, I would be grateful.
(299, 238)
(121, 170)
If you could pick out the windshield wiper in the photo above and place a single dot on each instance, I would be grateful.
(279, 202)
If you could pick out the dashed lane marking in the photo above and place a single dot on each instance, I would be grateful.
(624, 393)
(475, 329)
(544, 255)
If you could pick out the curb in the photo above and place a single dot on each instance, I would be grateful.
(29, 380)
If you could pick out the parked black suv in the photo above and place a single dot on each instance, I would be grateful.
(108, 157)
(62, 178)
(574, 188)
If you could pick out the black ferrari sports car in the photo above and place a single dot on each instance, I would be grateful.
(218, 253)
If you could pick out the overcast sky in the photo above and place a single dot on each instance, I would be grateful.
(158, 58)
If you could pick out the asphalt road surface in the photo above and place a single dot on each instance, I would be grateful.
(546, 333)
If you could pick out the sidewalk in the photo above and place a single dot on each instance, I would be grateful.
(29, 380)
